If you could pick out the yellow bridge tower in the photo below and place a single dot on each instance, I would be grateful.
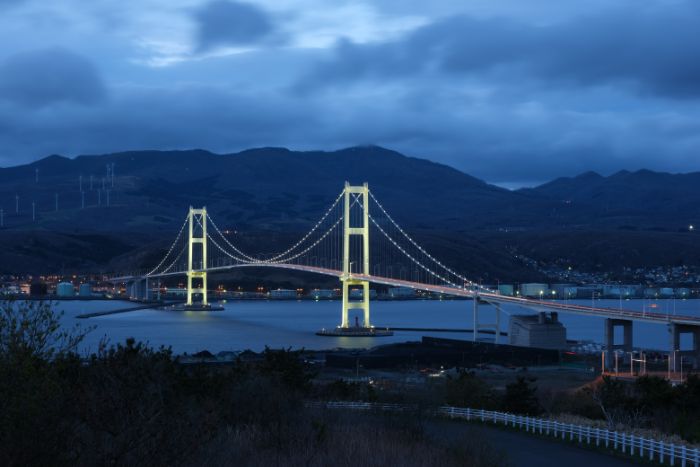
(197, 271)
(362, 193)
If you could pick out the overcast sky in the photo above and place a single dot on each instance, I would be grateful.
(511, 91)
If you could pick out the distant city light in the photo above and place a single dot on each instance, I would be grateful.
(691, 227)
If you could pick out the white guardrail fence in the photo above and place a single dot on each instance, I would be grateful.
(659, 451)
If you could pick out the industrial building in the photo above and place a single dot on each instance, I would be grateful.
(400, 292)
(682, 292)
(85, 290)
(283, 294)
(564, 291)
(534, 290)
(540, 331)
(321, 294)
(506, 289)
(621, 291)
(357, 294)
(65, 289)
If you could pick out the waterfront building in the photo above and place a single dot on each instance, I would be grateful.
(319, 294)
(85, 290)
(356, 294)
(283, 294)
(534, 290)
(540, 331)
(506, 289)
(651, 292)
(682, 292)
(589, 291)
(65, 289)
(400, 292)
(620, 290)
(564, 291)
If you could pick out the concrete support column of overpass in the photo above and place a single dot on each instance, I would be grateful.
(135, 290)
(478, 326)
(676, 330)
(610, 346)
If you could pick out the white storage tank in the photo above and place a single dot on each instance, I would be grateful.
(85, 290)
(65, 289)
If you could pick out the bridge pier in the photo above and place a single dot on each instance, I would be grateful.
(348, 305)
(610, 346)
(676, 329)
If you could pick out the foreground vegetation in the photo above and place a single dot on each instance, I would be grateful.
(132, 405)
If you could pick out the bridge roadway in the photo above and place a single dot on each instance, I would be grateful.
(490, 297)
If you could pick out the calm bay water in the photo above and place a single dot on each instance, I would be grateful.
(255, 324)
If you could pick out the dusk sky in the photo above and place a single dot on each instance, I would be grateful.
(515, 92)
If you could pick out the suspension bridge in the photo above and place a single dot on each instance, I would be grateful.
(359, 242)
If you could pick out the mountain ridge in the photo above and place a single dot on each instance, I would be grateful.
(273, 190)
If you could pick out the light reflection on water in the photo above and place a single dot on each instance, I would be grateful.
(255, 324)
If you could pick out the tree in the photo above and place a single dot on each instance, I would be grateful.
(32, 329)
(36, 355)
(521, 397)
(467, 390)
(615, 403)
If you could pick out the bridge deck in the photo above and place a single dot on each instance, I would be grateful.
(530, 304)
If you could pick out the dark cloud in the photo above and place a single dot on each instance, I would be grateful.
(44, 77)
(504, 99)
(650, 50)
(156, 118)
(222, 23)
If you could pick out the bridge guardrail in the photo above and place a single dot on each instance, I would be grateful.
(632, 445)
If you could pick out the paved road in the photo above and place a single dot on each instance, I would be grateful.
(523, 450)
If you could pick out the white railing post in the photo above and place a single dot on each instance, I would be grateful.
(695, 456)
(672, 454)
(588, 434)
(623, 442)
(469, 414)
(597, 436)
(683, 457)
(662, 447)
(631, 445)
